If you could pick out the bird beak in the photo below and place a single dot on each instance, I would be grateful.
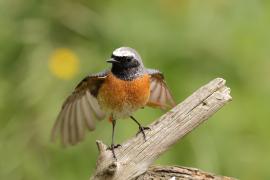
(112, 61)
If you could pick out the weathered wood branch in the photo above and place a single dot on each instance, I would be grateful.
(135, 156)
(178, 172)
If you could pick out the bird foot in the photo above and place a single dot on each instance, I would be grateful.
(141, 130)
(112, 148)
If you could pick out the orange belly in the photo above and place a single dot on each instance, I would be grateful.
(121, 98)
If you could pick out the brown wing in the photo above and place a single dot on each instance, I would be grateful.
(79, 111)
(160, 96)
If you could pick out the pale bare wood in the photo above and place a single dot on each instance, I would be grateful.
(135, 156)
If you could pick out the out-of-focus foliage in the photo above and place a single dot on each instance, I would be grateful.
(191, 41)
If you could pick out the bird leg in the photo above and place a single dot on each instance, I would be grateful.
(141, 128)
(112, 145)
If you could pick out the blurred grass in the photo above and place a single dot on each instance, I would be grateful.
(191, 41)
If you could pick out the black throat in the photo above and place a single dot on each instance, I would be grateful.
(127, 74)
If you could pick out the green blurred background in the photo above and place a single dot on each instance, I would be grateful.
(47, 47)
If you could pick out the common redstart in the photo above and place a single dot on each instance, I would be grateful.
(114, 93)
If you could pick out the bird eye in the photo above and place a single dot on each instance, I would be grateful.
(129, 59)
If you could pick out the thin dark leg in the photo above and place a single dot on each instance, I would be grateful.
(141, 128)
(112, 146)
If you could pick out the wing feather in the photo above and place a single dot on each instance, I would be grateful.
(80, 109)
(72, 124)
(80, 122)
(162, 98)
(88, 114)
(64, 126)
(57, 125)
(95, 106)
(160, 95)
(155, 92)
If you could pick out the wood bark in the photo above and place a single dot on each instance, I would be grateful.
(135, 156)
(179, 173)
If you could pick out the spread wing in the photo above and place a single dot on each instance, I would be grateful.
(160, 96)
(79, 111)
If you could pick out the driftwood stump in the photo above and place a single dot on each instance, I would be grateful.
(135, 156)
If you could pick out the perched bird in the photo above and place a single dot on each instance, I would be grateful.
(115, 93)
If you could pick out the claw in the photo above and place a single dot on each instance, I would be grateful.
(112, 147)
(141, 130)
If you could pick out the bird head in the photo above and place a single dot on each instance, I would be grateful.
(126, 63)
(125, 57)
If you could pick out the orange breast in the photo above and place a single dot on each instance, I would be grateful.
(117, 95)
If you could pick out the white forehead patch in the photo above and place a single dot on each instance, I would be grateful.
(123, 52)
